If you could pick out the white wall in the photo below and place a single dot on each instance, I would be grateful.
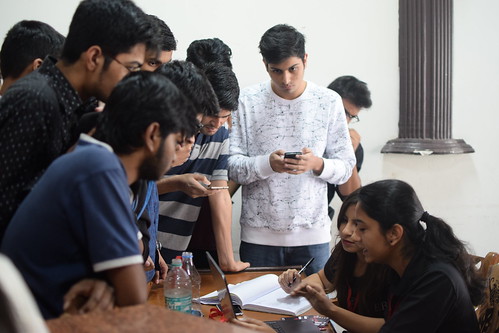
(359, 37)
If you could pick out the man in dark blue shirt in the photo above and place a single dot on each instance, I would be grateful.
(77, 220)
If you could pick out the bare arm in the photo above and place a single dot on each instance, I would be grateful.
(221, 216)
(353, 182)
(129, 284)
(233, 187)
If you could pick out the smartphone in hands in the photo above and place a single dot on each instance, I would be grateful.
(292, 154)
(209, 187)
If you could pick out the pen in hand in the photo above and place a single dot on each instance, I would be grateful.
(301, 271)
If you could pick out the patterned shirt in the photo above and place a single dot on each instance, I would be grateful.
(37, 122)
(281, 209)
(178, 212)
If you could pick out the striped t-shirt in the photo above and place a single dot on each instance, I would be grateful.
(178, 212)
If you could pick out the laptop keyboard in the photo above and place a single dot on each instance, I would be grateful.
(275, 326)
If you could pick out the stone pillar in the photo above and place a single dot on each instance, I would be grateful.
(425, 61)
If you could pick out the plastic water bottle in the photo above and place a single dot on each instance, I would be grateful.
(178, 288)
(188, 266)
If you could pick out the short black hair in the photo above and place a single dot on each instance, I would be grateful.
(193, 83)
(224, 83)
(280, 42)
(165, 38)
(202, 52)
(351, 88)
(25, 42)
(114, 25)
(140, 99)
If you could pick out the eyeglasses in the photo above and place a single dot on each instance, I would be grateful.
(130, 68)
(354, 119)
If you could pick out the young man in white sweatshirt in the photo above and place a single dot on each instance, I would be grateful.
(284, 219)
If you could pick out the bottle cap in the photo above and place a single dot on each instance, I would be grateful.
(176, 262)
(186, 254)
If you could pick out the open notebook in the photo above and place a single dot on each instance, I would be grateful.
(293, 325)
(262, 294)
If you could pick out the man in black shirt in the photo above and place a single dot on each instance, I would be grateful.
(39, 113)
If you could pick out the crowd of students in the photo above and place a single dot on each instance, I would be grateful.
(115, 159)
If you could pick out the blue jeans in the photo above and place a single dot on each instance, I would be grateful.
(265, 255)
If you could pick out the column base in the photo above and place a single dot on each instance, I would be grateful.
(427, 146)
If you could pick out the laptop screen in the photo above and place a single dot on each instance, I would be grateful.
(220, 283)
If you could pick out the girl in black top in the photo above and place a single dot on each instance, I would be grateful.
(361, 288)
(437, 281)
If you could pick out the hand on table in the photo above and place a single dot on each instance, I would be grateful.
(235, 266)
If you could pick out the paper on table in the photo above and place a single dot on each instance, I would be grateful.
(262, 294)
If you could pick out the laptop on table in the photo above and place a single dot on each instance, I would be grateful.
(297, 325)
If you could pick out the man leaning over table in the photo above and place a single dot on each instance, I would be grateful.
(40, 112)
(284, 218)
(84, 225)
(181, 190)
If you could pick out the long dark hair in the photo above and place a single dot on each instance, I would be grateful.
(371, 286)
(392, 202)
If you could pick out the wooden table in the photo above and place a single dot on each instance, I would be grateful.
(156, 294)
(153, 317)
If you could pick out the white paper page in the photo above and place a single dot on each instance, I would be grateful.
(246, 291)
(210, 299)
(252, 289)
(279, 299)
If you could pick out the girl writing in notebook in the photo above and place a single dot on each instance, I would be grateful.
(361, 288)
(437, 284)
